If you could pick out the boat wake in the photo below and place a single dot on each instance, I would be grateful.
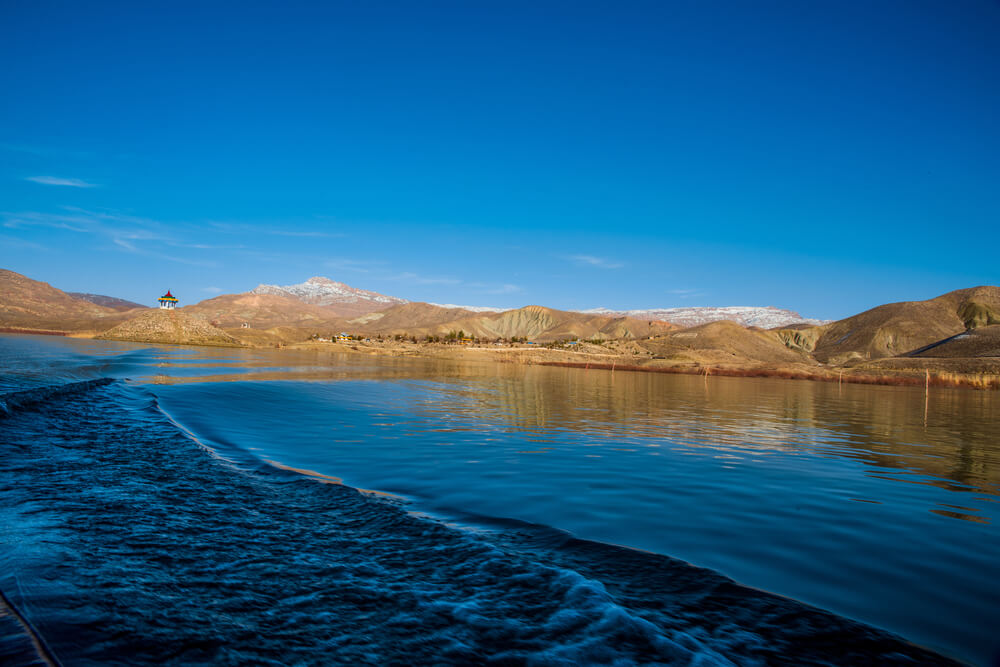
(131, 540)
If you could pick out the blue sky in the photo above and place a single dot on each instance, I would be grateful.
(820, 156)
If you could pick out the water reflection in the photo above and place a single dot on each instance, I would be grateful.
(881, 427)
(880, 503)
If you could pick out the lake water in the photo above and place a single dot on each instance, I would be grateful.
(879, 504)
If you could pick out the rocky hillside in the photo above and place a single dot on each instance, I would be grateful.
(169, 326)
(343, 300)
(30, 304)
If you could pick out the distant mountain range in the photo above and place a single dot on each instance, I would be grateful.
(765, 317)
(964, 324)
(350, 301)
(107, 301)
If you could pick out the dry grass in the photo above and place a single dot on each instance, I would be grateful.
(936, 379)
(39, 332)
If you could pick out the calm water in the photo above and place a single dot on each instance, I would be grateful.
(877, 503)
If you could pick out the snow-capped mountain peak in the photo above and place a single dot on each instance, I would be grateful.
(322, 291)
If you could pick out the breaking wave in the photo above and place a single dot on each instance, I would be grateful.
(17, 400)
(128, 543)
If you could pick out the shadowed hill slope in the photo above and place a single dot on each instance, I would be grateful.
(979, 342)
(898, 328)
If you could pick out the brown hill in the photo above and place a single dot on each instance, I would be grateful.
(533, 322)
(546, 324)
(262, 311)
(169, 326)
(898, 328)
(408, 317)
(726, 342)
(30, 304)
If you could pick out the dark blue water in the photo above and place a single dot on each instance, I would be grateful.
(154, 522)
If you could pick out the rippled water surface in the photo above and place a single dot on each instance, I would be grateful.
(877, 503)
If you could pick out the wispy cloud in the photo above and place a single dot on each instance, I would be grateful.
(132, 248)
(124, 232)
(212, 290)
(90, 222)
(271, 230)
(305, 234)
(355, 265)
(598, 262)
(14, 242)
(686, 293)
(506, 288)
(493, 288)
(44, 151)
(424, 280)
(69, 182)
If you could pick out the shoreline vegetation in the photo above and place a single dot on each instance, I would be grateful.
(921, 372)
(911, 377)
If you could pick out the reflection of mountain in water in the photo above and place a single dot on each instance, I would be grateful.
(878, 426)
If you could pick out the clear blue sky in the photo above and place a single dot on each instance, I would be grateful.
(821, 156)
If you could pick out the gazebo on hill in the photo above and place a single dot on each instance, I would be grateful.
(168, 301)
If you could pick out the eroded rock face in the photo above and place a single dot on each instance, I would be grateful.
(976, 314)
(169, 326)
(800, 339)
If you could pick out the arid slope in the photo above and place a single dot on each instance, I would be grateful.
(726, 343)
(30, 304)
(408, 317)
(166, 326)
(262, 311)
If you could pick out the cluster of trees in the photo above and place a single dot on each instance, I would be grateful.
(451, 337)
(558, 344)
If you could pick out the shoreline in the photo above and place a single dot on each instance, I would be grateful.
(911, 377)
(923, 372)
(946, 379)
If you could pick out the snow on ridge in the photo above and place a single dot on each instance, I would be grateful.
(475, 309)
(324, 292)
(765, 317)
